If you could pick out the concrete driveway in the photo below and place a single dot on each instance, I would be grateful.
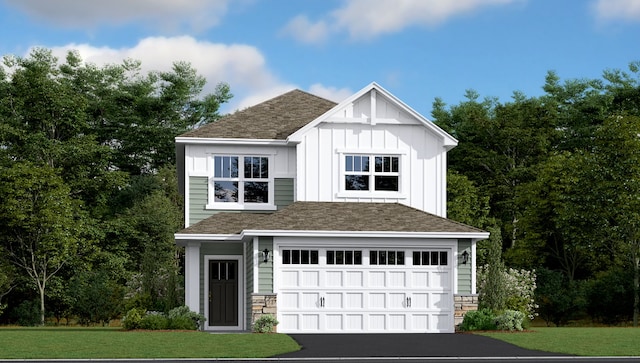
(406, 345)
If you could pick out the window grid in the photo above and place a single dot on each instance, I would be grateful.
(300, 257)
(430, 258)
(359, 175)
(386, 257)
(341, 257)
(241, 182)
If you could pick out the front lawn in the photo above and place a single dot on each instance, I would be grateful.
(94, 343)
(577, 341)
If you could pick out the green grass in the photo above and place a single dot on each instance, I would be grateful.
(76, 343)
(577, 341)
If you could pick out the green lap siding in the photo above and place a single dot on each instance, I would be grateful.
(265, 269)
(199, 193)
(283, 192)
(464, 271)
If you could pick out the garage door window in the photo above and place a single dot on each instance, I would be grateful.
(430, 258)
(344, 257)
(386, 257)
(300, 257)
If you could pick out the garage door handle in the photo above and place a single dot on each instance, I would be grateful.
(408, 302)
(321, 302)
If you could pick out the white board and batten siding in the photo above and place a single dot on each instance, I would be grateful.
(391, 131)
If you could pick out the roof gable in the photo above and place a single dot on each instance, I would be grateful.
(274, 119)
(375, 105)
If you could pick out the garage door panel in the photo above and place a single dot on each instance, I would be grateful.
(365, 298)
(354, 300)
(377, 300)
(333, 300)
(310, 300)
(397, 279)
(310, 278)
(377, 279)
(290, 279)
(354, 278)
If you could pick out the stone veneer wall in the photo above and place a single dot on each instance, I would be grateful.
(263, 304)
(462, 304)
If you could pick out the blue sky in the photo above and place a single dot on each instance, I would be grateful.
(416, 49)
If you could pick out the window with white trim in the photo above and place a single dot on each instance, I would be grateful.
(241, 180)
(383, 175)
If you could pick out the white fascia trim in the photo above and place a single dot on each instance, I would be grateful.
(184, 237)
(368, 234)
(220, 141)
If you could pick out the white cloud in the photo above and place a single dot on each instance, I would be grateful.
(365, 19)
(331, 93)
(243, 67)
(167, 15)
(303, 30)
(611, 10)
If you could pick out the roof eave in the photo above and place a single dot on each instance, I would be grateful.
(228, 141)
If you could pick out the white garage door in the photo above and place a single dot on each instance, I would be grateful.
(365, 290)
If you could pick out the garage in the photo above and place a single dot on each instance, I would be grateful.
(365, 290)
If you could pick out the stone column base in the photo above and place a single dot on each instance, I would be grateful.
(263, 304)
(463, 303)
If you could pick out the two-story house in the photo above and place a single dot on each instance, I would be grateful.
(332, 217)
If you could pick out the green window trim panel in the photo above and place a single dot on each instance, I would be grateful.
(199, 192)
(464, 270)
(265, 269)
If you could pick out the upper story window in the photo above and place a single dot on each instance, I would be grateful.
(241, 180)
(383, 175)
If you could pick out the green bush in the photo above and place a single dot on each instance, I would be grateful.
(265, 324)
(154, 321)
(559, 298)
(483, 319)
(610, 296)
(510, 320)
(132, 319)
(27, 313)
(182, 323)
(183, 318)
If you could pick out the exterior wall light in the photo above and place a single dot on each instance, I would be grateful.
(265, 255)
(465, 257)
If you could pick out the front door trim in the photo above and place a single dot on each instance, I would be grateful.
(241, 300)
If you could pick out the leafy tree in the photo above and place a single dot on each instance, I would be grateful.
(493, 292)
(7, 278)
(40, 222)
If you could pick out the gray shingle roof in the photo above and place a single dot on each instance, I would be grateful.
(332, 216)
(274, 119)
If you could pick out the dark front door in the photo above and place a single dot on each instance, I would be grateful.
(223, 293)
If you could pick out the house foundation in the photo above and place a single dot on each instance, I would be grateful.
(463, 304)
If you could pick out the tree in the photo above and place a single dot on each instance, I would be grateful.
(40, 222)
(616, 166)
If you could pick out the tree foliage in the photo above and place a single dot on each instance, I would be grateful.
(87, 172)
(560, 172)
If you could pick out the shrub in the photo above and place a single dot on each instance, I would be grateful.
(519, 286)
(610, 296)
(28, 313)
(183, 318)
(154, 321)
(559, 299)
(510, 320)
(132, 319)
(265, 324)
(482, 319)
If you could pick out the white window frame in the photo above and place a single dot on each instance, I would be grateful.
(403, 174)
(241, 204)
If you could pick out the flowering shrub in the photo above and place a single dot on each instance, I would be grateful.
(520, 286)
